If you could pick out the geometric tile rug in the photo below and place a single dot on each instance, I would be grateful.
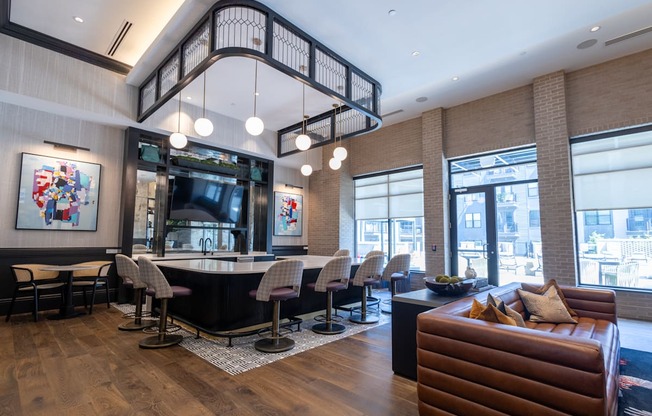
(242, 356)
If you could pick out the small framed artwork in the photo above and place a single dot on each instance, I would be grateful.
(57, 194)
(288, 214)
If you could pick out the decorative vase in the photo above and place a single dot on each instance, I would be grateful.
(470, 273)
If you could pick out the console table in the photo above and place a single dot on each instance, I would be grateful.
(405, 308)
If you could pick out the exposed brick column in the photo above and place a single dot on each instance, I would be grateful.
(553, 159)
(435, 193)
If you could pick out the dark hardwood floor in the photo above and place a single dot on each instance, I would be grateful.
(85, 366)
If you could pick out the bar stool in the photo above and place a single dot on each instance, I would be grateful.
(368, 274)
(93, 278)
(332, 278)
(158, 287)
(371, 254)
(130, 274)
(282, 281)
(397, 269)
(29, 277)
(342, 253)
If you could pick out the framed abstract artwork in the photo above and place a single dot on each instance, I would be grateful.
(288, 214)
(57, 194)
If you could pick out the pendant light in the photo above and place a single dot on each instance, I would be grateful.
(254, 125)
(203, 126)
(178, 140)
(303, 141)
(339, 152)
(306, 169)
(335, 163)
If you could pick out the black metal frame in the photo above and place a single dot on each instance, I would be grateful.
(372, 119)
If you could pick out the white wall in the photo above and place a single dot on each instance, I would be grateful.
(289, 176)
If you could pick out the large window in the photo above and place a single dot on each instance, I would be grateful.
(611, 176)
(389, 215)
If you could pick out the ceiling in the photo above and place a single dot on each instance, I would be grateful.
(488, 45)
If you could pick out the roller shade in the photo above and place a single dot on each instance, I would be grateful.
(397, 195)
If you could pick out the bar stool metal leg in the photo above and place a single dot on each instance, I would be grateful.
(138, 322)
(363, 317)
(329, 327)
(275, 343)
(162, 339)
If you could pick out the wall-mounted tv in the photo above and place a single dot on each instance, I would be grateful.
(197, 199)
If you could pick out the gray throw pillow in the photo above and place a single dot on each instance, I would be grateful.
(500, 305)
(547, 307)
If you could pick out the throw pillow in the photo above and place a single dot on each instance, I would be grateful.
(489, 313)
(543, 289)
(546, 308)
(501, 306)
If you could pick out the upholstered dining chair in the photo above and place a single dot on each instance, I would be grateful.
(342, 253)
(368, 274)
(332, 278)
(94, 279)
(158, 287)
(30, 277)
(398, 268)
(282, 281)
(128, 271)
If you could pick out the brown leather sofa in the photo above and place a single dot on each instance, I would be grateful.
(472, 367)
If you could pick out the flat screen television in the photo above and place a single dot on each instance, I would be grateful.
(197, 199)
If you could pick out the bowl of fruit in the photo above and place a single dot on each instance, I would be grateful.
(449, 285)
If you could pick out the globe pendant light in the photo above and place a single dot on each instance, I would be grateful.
(339, 152)
(254, 125)
(335, 164)
(203, 126)
(178, 140)
(303, 141)
(306, 170)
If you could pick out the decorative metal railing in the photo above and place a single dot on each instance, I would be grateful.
(248, 28)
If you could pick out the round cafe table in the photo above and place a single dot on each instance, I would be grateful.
(67, 309)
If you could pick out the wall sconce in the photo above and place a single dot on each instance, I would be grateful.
(68, 147)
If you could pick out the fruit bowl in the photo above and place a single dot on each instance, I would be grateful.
(449, 289)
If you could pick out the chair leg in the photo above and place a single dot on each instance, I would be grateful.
(162, 339)
(11, 305)
(138, 322)
(363, 317)
(90, 309)
(84, 294)
(35, 304)
(328, 327)
(275, 343)
(106, 288)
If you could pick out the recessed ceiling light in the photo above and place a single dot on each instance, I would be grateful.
(455, 78)
(422, 99)
(392, 12)
(188, 98)
(78, 19)
(416, 53)
(595, 28)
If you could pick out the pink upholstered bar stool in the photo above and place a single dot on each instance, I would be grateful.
(282, 281)
(332, 278)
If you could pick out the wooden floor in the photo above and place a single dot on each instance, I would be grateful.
(85, 366)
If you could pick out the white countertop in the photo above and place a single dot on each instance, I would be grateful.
(198, 255)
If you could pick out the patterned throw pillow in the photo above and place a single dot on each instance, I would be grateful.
(500, 304)
(546, 308)
(543, 289)
(489, 313)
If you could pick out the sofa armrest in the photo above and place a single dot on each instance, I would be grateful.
(592, 303)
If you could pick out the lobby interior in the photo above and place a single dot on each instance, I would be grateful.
(58, 96)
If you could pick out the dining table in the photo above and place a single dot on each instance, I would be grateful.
(67, 309)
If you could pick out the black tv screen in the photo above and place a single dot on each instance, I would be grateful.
(197, 199)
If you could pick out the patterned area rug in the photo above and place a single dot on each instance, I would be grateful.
(242, 356)
(635, 383)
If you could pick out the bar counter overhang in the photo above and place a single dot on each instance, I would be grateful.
(220, 299)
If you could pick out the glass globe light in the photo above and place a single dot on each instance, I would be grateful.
(306, 170)
(303, 142)
(178, 140)
(340, 153)
(203, 127)
(335, 164)
(254, 126)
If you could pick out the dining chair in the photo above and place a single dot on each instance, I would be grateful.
(332, 278)
(368, 274)
(29, 277)
(93, 278)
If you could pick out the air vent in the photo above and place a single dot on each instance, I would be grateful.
(392, 113)
(629, 36)
(119, 37)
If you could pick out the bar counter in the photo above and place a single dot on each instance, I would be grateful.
(220, 299)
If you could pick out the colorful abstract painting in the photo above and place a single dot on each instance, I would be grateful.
(288, 214)
(57, 194)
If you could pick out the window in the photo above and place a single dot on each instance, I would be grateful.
(533, 190)
(473, 220)
(535, 221)
(597, 218)
(389, 215)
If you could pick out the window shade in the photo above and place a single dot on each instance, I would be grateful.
(398, 195)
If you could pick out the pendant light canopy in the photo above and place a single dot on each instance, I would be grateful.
(178, 140)
(203, 126)
(303, 141)
(255, 125)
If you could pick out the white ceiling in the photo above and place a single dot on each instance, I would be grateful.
(491, 45)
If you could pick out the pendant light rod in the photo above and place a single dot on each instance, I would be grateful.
(204, 101)
(179, 115)
(255, 86)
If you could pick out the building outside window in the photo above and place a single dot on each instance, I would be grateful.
(614, 217)
(389, 215)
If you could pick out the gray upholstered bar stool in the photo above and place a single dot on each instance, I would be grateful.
(397, 269)
(342, 253)
(94, 279)
(368, 274)
(158, 287)
(282, 281)
(128, 271)
(332, 278)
